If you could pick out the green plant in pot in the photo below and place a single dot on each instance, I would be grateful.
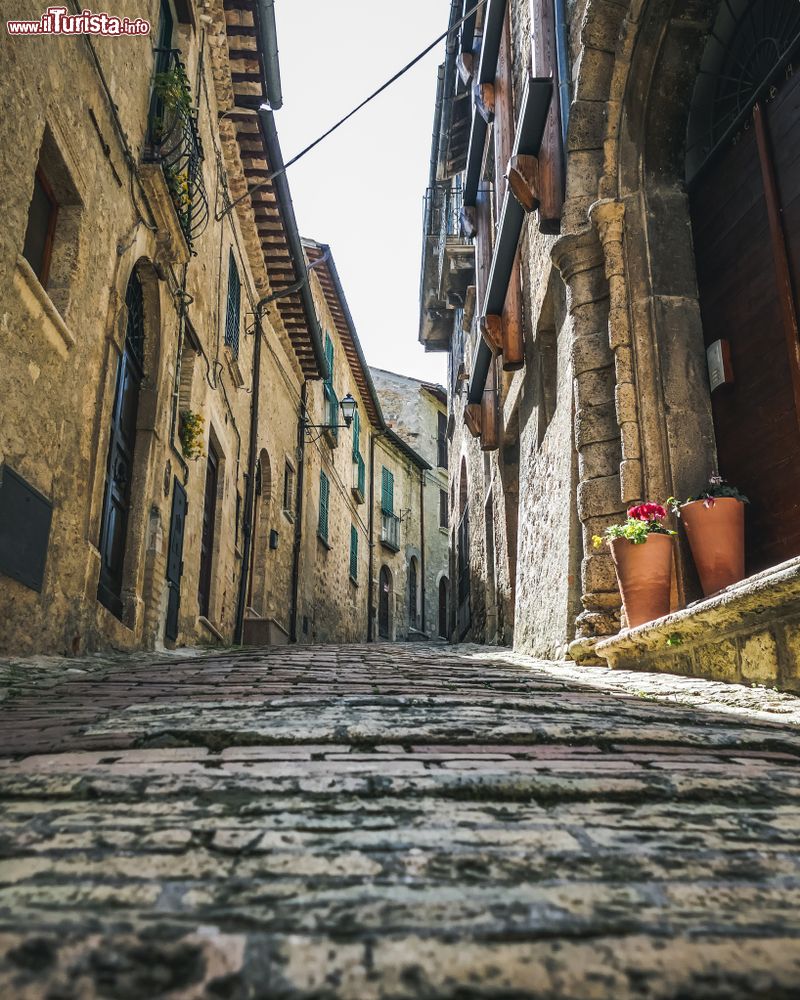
(714, 522)
(641, 548)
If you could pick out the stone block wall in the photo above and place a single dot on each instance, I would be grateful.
(61, 344)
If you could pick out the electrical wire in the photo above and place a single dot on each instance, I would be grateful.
(384, 86)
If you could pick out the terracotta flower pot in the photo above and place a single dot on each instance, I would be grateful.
(644, 573)
(716, 538)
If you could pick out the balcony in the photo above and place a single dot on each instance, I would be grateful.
(173, 144)
(359, 478)
(448, 265)
(390, 531)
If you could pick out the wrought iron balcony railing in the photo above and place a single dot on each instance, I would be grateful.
(390, 531)
(359, 477)
(173, 141)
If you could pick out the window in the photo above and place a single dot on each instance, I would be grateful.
(441, 441)
(353, 553)
(42, 214)
(444, 520)
(288, 489)
(234, 303)
(387, 491)
(324, 499)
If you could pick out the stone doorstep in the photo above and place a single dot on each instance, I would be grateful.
(748, 633)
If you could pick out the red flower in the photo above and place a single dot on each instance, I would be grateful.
(647, 512)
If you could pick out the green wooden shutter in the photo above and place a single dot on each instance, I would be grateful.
(387, 491)
(329, 356)
(356, 435)
(324, 498)
(353, 552)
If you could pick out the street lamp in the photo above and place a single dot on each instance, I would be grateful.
(348, 406)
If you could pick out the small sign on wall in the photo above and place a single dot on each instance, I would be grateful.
(720, 370)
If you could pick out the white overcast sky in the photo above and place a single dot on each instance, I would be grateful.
(361, 190)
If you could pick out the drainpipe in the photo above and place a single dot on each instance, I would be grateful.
(422, 545)
(370, 601)
(298, 513)
(269, 42)
(562, 62)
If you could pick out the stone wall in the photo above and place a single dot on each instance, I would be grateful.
(407, 479)
(412, 411)
(333, 608)
(61, 344)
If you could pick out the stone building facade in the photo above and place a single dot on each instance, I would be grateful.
(417, 411)
(612, 194)
(165, 376)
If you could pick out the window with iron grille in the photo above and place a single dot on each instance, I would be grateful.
(444, 520)
(353, 553)
(441, 441)
(324, 499)
(387, 491)
(234, 304)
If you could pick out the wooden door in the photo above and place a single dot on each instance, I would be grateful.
(175, 559)
(443, 608)
(385, 588)
(464, 610)
(207, 540)
(743, 299)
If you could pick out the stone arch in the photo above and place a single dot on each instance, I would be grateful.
(626, 258)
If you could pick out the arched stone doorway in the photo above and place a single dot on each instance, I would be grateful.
(385, 594)
(639, 280)
(743, 176)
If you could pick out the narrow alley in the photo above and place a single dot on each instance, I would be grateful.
(393, 821)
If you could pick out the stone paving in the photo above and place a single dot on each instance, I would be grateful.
(393, 822)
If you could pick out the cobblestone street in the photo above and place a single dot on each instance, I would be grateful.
(393, 822)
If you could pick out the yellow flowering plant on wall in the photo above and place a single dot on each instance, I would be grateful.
(191, 433)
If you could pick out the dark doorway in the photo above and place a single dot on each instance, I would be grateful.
(443, 587)
(745, 205)
(119, 467)
(207, 543)
(412, 592)
(384, 598)
(177, 526)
